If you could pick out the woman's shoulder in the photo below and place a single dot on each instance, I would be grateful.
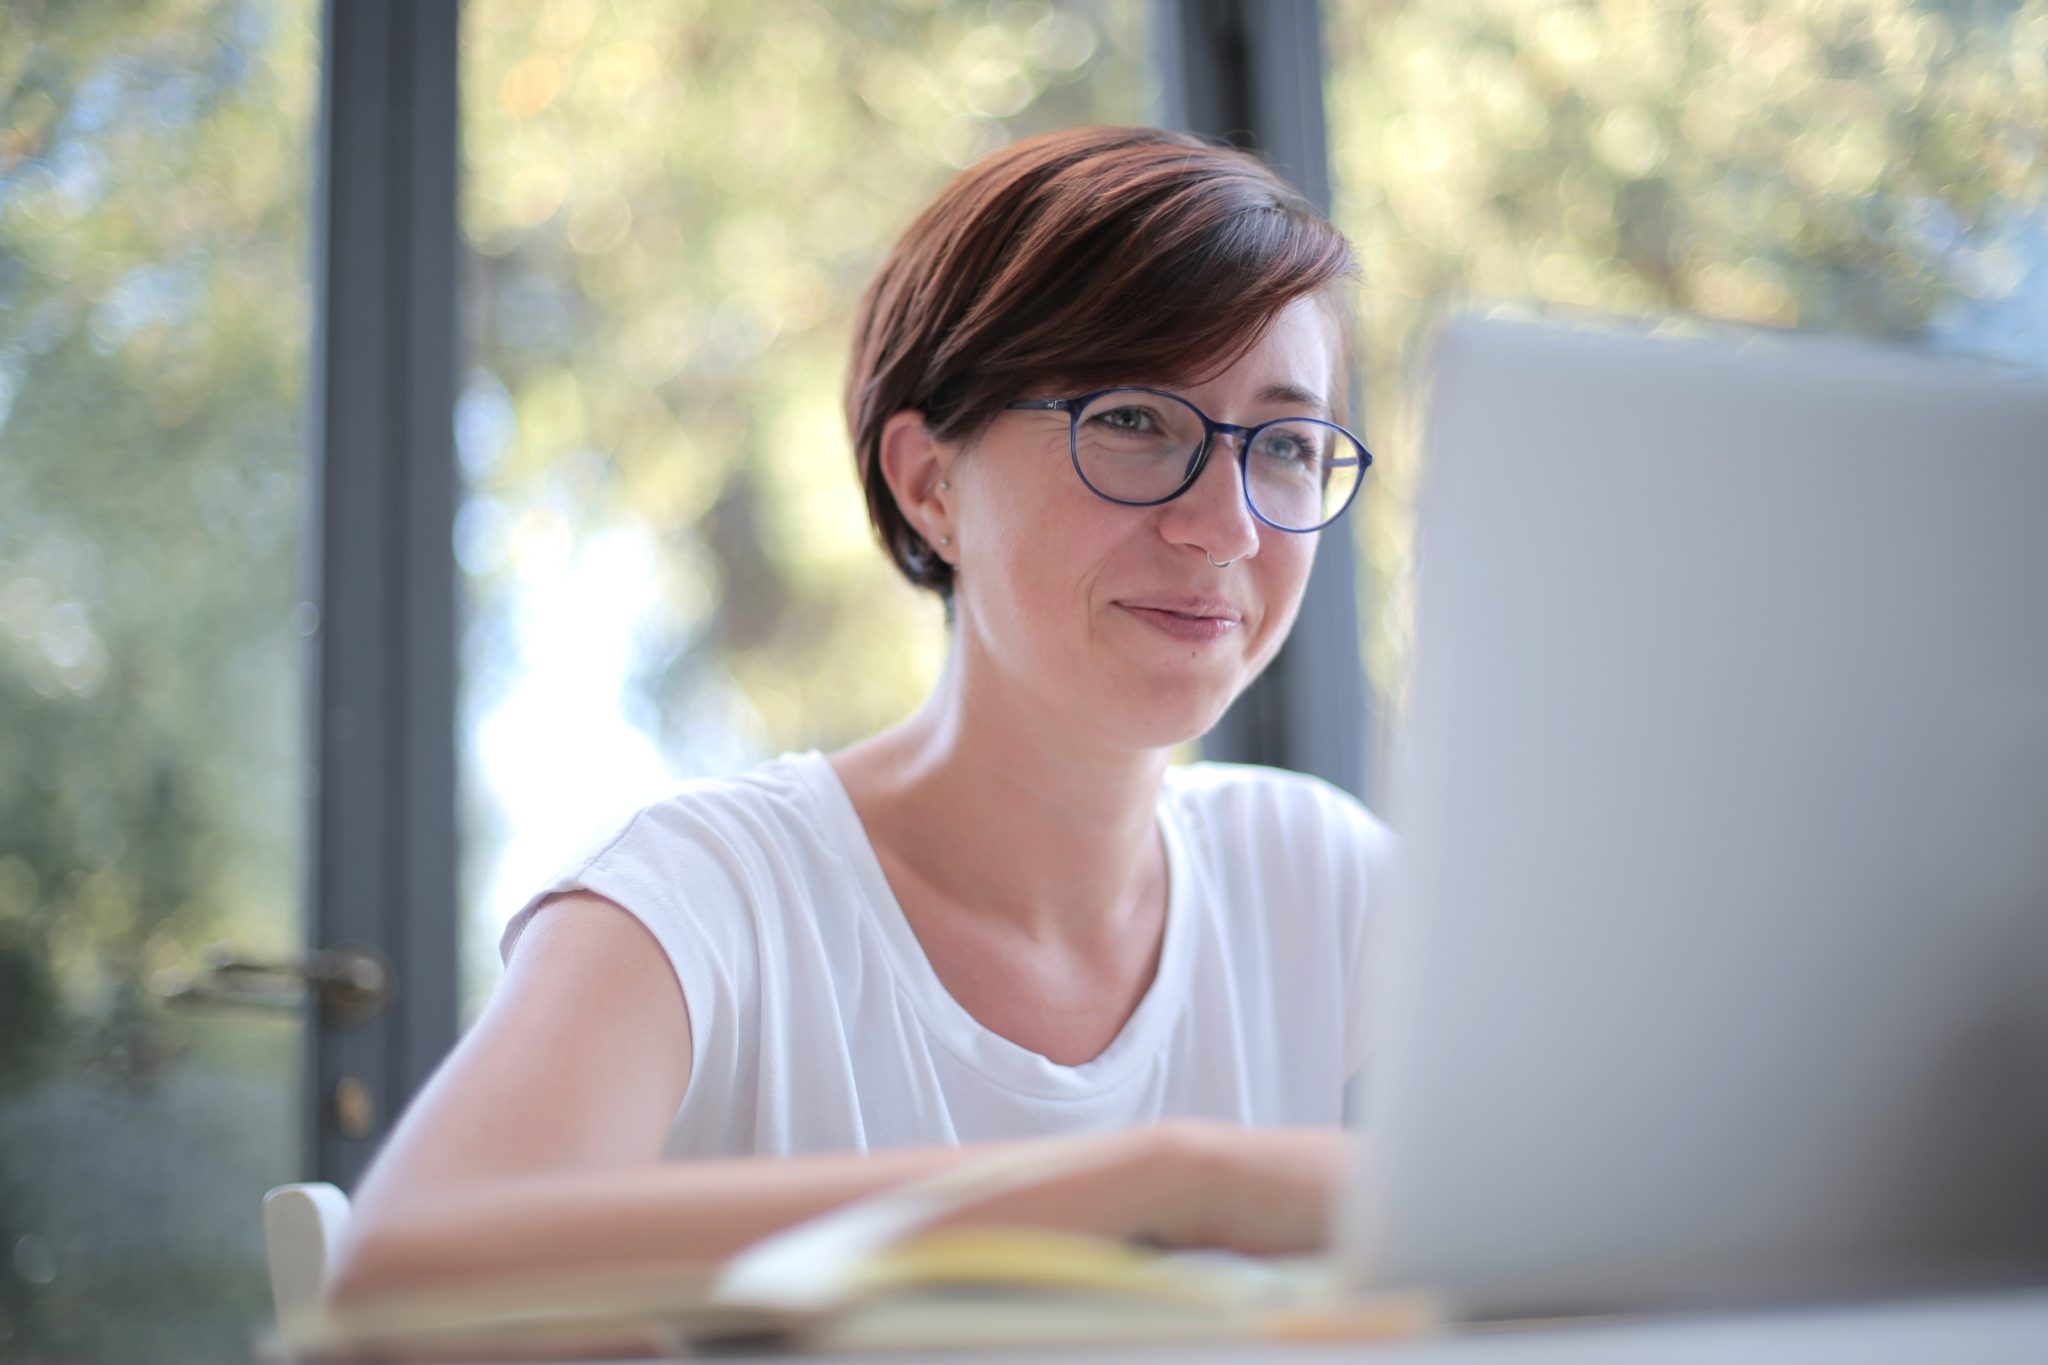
(715, 840)
(773, 801)
(771, 809)
(1272, 806)
(1310, 854)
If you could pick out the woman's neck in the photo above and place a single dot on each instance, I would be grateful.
(1002, 808)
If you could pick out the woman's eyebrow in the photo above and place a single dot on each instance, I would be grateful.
(1291, 393)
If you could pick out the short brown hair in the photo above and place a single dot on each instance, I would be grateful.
(1078, 257)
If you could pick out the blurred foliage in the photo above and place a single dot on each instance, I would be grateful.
(1845, 165)
(154, 179)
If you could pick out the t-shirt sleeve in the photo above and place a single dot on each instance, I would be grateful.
(674, 867)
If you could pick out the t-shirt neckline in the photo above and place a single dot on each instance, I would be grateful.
(1010, 1064)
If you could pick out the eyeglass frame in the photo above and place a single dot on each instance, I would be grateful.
(1211, 428)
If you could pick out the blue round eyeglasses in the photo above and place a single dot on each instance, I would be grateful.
(1140, 447)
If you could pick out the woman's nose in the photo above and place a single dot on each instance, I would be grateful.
(1213, 515)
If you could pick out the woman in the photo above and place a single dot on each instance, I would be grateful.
(1007, 917)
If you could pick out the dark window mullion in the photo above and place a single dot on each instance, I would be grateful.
(384, 843)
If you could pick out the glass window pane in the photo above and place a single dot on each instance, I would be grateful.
(1874, 167)
(154, 308)
(671, 212)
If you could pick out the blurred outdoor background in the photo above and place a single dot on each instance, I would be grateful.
(668, 211)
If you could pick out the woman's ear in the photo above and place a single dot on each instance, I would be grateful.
(917, 467)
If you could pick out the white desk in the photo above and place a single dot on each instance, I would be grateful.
(1990, 1329)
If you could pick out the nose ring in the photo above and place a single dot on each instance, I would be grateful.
(1212, 561)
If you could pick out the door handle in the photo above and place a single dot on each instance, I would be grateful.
(348, 982)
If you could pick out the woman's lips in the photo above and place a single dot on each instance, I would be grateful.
(1183, 625)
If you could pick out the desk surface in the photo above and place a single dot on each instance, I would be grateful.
(1989, 1329)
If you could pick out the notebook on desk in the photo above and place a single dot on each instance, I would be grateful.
(1717, 968)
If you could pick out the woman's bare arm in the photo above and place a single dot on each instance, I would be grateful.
(537, 1145)
(703, 1211)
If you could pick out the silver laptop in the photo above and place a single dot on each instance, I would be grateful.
(1716, 969)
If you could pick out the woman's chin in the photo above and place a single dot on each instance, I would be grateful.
(1162, 716)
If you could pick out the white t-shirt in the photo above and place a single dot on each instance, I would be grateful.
(818, 1024)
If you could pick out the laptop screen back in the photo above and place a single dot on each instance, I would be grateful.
(1717, 967)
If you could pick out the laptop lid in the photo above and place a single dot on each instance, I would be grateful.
(1717, 965)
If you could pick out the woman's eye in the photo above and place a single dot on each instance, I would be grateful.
(1291, 449)
(1128, 419)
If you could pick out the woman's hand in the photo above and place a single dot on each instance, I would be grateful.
(1183, 1183)
(1262, 1191)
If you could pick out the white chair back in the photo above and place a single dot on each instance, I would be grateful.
(302, 1227)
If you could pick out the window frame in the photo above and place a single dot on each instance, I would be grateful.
(383, 827)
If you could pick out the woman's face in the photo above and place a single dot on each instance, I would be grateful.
(1111, 617)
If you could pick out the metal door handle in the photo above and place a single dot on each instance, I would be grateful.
(349, 982)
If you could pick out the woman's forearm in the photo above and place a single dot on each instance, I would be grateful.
(1135, 1182)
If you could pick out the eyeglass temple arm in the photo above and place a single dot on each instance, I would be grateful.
(1043, 404)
